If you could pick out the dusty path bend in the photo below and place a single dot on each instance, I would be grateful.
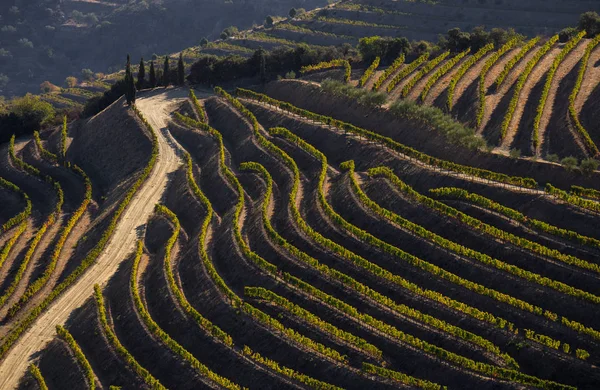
(155, 106)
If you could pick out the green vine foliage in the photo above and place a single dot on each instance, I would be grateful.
(484, 71)
(406, 71)
(464, 68)
(388, 72)
(442, 70)
(590, 144)
(369, 72)
(410, 153)
(567, 48)
(428, 67)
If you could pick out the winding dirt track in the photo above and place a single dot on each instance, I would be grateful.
(155, 106)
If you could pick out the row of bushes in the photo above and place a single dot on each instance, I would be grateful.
(422, 72)
(344, 253)
(313, 320)
(79, 356)
(11, 242)
(295, 375)
(499, 234)
(112, 338)
(63, 138)
(461, 194)
(446, 244)
(37, 375)
(442, 70)
(486, 67)
(406, 71)
(9, 340)
(587, 192)
(535, 136)
(156, 330)
(572, 199)
(260, 316)
(324, 241)
(461, 72)
(63, 235)
(206, 324)
(401, 377)
(328, 65)
(513, 61)
(212, 272)
(388, 71)
(514, 101)
(410, 153)
(50, 220)
(590, 144)
(340, 277)
(369, 72)
(21, 216)
(198, 107)
(461, 361)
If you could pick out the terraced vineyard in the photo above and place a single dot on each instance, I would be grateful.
(290, 248)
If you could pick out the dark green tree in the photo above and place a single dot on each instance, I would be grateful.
(141, 80)
(166, 71)
(129, 83)
(180, 70)
(152, 75)
(269, 21)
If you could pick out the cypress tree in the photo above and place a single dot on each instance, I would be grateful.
(141, 81)
(262, 65)
(166, 72)
(129, 83)
(180, 70)
(152, 75)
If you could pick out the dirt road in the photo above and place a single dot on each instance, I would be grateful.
(155, 106)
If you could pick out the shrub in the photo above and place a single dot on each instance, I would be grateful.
(515, 153)
(589, 165)
(362, 96)
(569, 163)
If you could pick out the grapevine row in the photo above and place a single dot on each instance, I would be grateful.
(156, 330)
(462, 70)
(369, 72)
(513, 61)
(340, 277)
(521, 83)
(50, 220)
(422, 72)
(535, 137)
(587, 192)
(315, 321)
(22, 216)
(37, 375)
(388, 72)
(204, 323)
(572, 199)
(486, 67)
(198, 107)
(409, 152)
(9, 340)
(591, 145)
(486, 369)
(328, 244)
(79, 356)
(11, 242)
(63, 235)
(461, 194)
(448, 245)
(263, 318)
(328, 65)
(482, 227)
(401, 377)
(441, 72)
(112, 338)
(406, 71)
(63, 138)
